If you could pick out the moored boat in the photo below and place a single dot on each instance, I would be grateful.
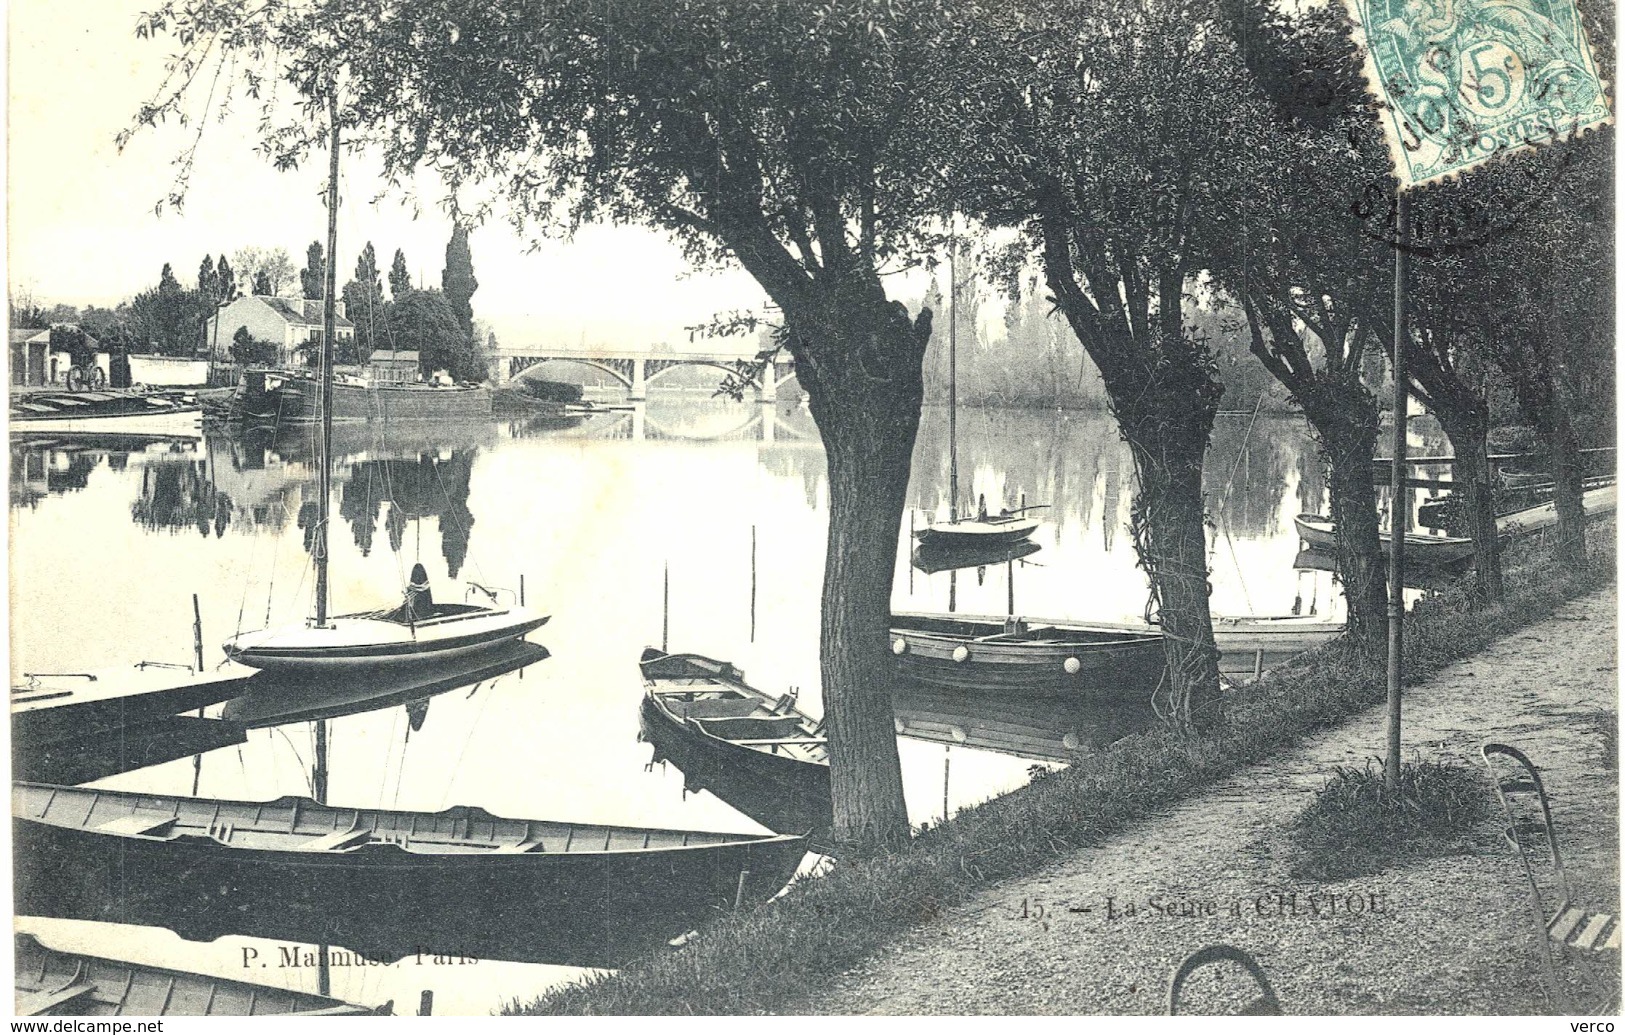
(1598, 501)
(112, 855)
(1025, 656)
(700, 713)
(55, 983)
(357, 399)
(115, 413)
(932, 558)
(978, 532)
(1320, 532)
(396, 637)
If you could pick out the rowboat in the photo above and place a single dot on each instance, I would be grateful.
(53, 706)
(701, 714)
(1602, 500)
(1319, 532)
(1446, 512)
(54, 983)
(278, 699)
(932, 558)
(120, 413)
(1022, 656)
(978, 532)
(363, 641)
(330, 872)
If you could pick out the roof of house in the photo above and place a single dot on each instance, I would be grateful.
(22, 334)
(43, 336)
(397, 356)
(285, 308)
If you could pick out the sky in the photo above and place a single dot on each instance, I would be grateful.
(81, 227)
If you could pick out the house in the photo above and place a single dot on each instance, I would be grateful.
(386, 366)
(291, 324)
(34, 362)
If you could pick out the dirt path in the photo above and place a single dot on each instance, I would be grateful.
(1443, 935)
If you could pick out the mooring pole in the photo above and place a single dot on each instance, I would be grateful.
(197, 634)
(521, 589)
(665, 607)
(753, 583)
(1397, 507)
(426, 1002)
(1010, 584)
(947, 760)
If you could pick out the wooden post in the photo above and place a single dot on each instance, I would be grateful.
(521, 589)
(197, 634)
(947, 760)
(665, 607)
(739, 892)
(753, 583)
(909, 547)
(1396, 523)
(1010, 583)
(324, 971)
(426, 1002)
(953, 588)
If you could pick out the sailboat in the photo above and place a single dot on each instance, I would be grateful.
(418, 630)
(984, 529)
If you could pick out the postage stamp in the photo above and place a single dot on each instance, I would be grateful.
(1463, 80)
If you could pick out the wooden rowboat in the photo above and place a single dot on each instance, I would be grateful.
(71, 705)
(53, 983)
(1321, 533)
(754, 750)
(253, 867)
(1601, 500)
(118, 413)
(1018, 656)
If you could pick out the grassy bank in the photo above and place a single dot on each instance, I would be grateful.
(768, 959)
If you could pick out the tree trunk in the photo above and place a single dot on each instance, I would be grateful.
(859, 360)
(1346, 425)
(1563, 447)
(1168, 443)
(1469, 440)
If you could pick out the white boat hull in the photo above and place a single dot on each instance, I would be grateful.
(179, 423)
(364, 642)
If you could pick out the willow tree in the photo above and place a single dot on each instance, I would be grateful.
(1309, 273)
(1122, 138)
(793, 139)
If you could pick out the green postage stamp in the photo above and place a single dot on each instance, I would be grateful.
(1464, 80)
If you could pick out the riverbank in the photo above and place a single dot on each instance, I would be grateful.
(808, 949)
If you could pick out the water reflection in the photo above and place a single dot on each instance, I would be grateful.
(1045, 729)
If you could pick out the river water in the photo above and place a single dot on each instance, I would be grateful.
(606, 518)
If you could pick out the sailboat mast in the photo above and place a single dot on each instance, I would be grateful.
(328, 323)
(953, 372)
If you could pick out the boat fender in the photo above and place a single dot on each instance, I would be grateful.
(1072, 665)
(961, 652)
(899, 646)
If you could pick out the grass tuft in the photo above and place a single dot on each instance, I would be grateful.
(773, 958)
(1357, 826)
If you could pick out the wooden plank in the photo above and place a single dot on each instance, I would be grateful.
(136, 825)
(781, 740)
(1588, 937)
(335, 841)
(37, 1003)
(1564, 923)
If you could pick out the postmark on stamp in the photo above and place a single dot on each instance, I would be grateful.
(1461, 81)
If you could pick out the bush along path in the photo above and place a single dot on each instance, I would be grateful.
(1022, 905)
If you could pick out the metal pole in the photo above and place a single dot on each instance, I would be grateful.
(1396, 521)
(953, 375)
(330, 291)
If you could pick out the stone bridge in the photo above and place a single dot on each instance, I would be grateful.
(637, 370)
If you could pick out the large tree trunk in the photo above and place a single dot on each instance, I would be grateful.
(1468, 431)
(1563, 447)
(1168, 438)
(1347, 426)
(859, 359)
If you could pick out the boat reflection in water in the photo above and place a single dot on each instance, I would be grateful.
(275, 698)
(933, 557)
(100, 755)
(1045, 729)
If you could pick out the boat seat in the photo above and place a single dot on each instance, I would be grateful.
(336, 841)
(1025, 634)
(33, 1004)
(529, 843)
(785, 726)
(732, 708)
(138, 825)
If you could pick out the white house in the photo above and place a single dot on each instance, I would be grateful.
(287, 323)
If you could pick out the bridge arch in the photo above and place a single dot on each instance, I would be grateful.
(674, 362)
(531, 364)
